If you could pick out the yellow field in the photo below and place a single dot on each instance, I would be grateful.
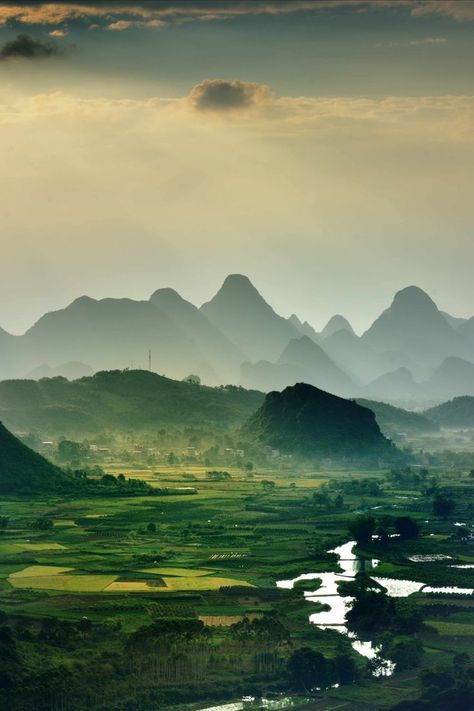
(201, 583)
(18, 547)
(124, 586)
(66, 583)
(44, 577)
(178, 572)
(34, 571)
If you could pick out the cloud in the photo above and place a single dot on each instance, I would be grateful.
(459, 10)
(26, 47)
(414, 43)
(57, 33)
(254, 110)
(120, 25)
(157, 12)
(228, 95)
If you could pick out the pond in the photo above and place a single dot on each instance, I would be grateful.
(327, 594)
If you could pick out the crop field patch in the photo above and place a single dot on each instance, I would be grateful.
(20, 546)
(66, 583)
(203, 583)
(39, 571)
(453, 629)
(178, 572)
(131, 586)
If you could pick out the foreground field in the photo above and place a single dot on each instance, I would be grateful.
(105, 570)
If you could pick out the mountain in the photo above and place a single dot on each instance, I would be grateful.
(116, 333)
(210, 342)
(244, 317)
(394, 420)
(130, 400)
(24, 471)
(71, 371)
(466, 330)
(397, 386)
(454, 321)
(322, 371)
(414, 326)
(301, 361)
(454, 376)
(353, 355)
(457, 413)
(310, 423)
(336, 323)
(304, 328)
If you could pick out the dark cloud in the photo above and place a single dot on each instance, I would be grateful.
(228, 95)
(28, 48)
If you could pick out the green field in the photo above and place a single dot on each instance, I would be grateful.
(102, 574)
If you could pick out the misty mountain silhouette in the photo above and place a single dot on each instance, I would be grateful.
(210, 342)
(242, 314)
(454, 377)
(336, 323)
(414, 326)
(301, 361)
(397, 385)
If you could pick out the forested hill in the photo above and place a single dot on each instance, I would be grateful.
(125, 400)
(393, 420)
(308, 422)
(22, 470)
(458, 412)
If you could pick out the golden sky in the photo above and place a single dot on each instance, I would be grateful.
(324, 149)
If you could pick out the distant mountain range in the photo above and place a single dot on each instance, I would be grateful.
(413, 354)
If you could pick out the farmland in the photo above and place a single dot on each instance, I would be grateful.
(92, 585)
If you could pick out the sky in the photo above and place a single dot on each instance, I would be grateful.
(324, 148)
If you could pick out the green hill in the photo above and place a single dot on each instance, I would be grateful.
(393, 420)
(308, 422)
(125, 400)
(455, 413)
(22, 470)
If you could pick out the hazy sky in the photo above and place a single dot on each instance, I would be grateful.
(324, 148)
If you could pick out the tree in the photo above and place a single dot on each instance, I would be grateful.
(345, 668)
(406, 527)
(443, 505)
(43, 523)
(308, 669)
(69, 451)
(151, 528)
(362, 528)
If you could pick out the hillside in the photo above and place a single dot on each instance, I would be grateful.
(455, 413)
(23, 471)
(125, 400)
(310, 423)
(394, 420)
